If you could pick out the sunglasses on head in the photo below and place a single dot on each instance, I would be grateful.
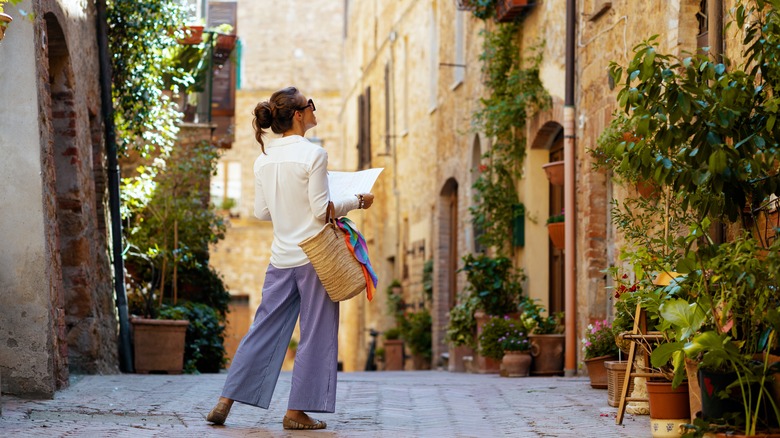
(310, 104)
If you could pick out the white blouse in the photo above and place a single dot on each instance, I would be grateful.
(291, 190)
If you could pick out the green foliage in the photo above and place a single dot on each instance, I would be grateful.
(140, 38)
(13, 2)
(395, 302)
(416, 333)
(699, 127)
(515, 92)
(175, 228)
(204, 351)
(534, 319)
(427, 280)
(393, 334)
(556, 218)
(484, 9)
(494, 282)
(600, 340)
(493, 330)
(516, 336)
(462, 326)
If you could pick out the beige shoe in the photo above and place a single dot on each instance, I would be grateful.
(219, 414)
(291, 424)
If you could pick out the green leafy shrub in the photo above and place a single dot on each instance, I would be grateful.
(490, 339)
(416, 333)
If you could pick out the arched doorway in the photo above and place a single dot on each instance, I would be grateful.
(446, 266)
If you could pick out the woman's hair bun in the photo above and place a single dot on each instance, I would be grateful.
(264, 114)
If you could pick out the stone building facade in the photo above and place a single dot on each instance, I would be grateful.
(401, 93)
(56, 297)
(281, 46)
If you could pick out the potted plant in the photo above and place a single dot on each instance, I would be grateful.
(546, 337)
(556, 227)
(416, 334)
(517, 355)
(599, 347)
(394, 350)
(493, 288)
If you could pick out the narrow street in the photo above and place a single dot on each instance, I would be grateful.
(381, 404)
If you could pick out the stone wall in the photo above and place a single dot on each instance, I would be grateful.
(55, 272)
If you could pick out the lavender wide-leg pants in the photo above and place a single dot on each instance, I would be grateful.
(253, 374)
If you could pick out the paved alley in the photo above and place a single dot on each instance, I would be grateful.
(380, 404)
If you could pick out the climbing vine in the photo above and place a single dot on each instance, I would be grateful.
(140, 37)
(515, 91)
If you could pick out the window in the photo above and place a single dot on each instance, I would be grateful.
(364, 129)
(703, 20)
(226, 186)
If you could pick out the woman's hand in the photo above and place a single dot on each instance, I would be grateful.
(368, 199)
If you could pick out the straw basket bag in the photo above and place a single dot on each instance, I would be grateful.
(336, 266)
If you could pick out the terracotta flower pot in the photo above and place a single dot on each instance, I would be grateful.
(547, 351)
(484, 365)
(557, 232)
(667, 402)
(597, 372)
(554, 171)
(159, 345)
(394, 355)
(517, 363)
(507, 10)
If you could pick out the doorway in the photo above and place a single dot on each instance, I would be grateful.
(557, 273)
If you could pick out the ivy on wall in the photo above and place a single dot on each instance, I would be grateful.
(515, 92)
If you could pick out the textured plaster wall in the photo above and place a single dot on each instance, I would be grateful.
(50, 321)
(26, 361)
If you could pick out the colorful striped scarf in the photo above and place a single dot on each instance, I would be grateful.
(357, 245)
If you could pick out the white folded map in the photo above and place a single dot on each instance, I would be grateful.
(346, 184)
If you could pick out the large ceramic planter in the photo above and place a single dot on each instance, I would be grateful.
(557, 231)
(554, 171)
(616, 375)
(597, 372)
(159, 345)
(394, 355)
(516, 363)
(669, 408)
(547, 351)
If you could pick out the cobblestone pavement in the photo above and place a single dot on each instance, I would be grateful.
(379, 404)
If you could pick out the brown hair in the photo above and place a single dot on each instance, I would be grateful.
(276, 113)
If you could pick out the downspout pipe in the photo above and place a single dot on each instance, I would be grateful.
(570, 305)
(715, 29)
(107, 110)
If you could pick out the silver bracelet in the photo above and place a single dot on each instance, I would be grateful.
(361, 203)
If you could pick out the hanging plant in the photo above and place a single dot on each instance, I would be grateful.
(515, 92)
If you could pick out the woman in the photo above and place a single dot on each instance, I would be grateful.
(291, 190)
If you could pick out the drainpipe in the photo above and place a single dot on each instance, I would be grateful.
(715, 29)
(570, 363)
(107, 109)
